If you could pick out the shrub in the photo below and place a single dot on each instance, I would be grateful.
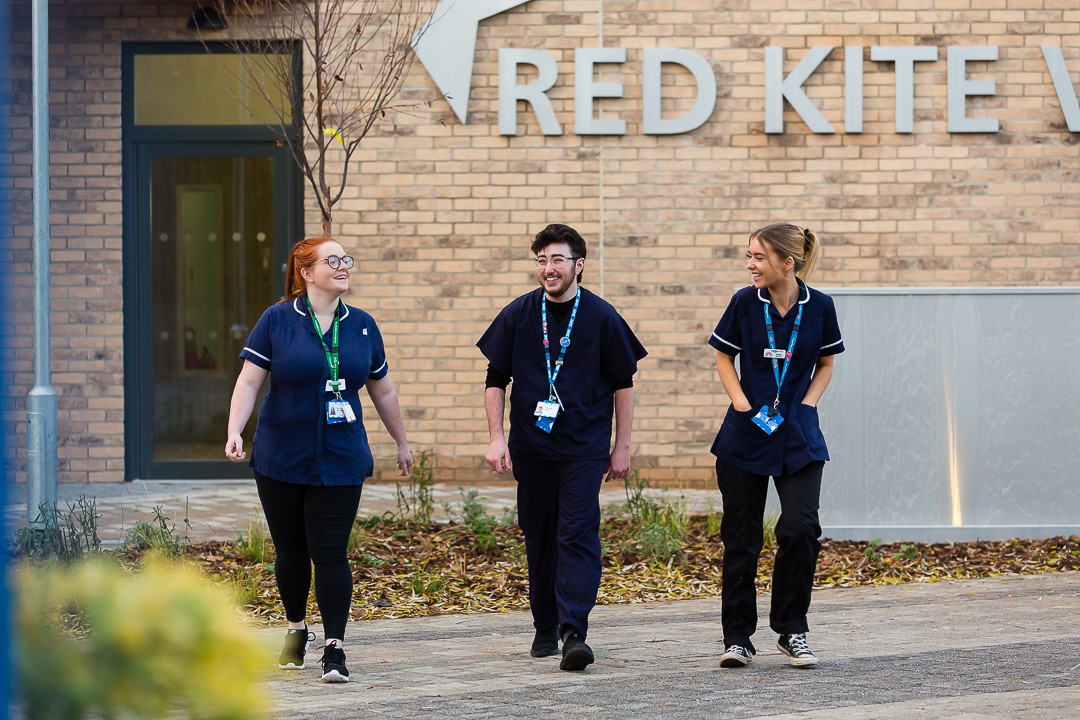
(154, 643)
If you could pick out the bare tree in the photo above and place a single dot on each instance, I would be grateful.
(355, 58)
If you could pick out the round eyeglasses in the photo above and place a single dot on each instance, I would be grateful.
(555, 261)
(336, 263)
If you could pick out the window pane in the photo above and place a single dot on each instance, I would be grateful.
(212, 272)
(204, 89)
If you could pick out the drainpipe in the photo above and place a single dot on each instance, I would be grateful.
(41, 402)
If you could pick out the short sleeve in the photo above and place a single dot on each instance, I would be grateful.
(832, 343)
(379, 365)
(497, 342)
(621, 350)
(258, 349)
(727, 337)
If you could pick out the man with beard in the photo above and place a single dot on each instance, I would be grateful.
(572, 360)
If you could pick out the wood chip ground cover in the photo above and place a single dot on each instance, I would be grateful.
(402, 569)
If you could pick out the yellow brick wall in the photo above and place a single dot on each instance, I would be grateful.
(440, 214)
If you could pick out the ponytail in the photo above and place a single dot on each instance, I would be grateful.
(811, 253)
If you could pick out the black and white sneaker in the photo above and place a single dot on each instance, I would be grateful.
(736, 656)
(297, 643)
(798, 652)
(333, 664)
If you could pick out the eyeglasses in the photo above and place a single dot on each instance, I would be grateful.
(336, 262)
(555, 261)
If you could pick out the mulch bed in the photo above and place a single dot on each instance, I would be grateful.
(403, 569)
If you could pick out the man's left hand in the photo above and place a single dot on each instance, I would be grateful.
(619, 464)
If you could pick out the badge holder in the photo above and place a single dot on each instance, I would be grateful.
(339, 410)
(546, 412)
(768, 419)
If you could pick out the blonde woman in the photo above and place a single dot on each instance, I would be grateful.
(786, 337)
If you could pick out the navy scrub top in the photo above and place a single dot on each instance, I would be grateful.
(603, 350)
(293, 442)
(741, 332)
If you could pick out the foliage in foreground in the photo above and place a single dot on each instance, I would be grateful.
(95, 640)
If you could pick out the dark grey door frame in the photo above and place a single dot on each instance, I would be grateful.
(140, 145)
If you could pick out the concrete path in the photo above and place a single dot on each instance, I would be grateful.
(221, 509)
(998, 648)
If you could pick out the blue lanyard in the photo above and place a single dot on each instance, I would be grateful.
(563, 343)
(790, 350)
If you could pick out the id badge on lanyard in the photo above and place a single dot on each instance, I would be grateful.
(338, 409)
(769, 418)
(547, 410)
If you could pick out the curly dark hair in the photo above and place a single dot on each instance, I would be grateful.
(556, 233)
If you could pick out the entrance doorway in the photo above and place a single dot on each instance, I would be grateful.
(209, 219)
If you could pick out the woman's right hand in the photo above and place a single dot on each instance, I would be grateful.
(234, 448)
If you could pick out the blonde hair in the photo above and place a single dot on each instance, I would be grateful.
(792, 241)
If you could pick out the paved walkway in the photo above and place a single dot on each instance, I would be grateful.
(220, 510)
(999, 648)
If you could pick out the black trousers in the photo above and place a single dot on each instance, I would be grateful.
(798, 533)
(559, 513)
(311, 524)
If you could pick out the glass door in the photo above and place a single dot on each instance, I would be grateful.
(213, 226)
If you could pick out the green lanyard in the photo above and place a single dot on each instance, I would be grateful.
(332, 360)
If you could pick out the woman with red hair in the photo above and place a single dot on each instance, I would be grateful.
(310, 453)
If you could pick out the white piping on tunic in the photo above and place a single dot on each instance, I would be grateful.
(825, 347)
(801, 302)
(296, 307)
(376, 372)
(258, 355)
(726, 342)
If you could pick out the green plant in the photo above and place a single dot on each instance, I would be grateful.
(476, 518)
(356, 538)
(417, 502)
(64, 536)
(658, 527)
(161, 642)
(872, 551)
(425, 583)
(769, 529)
(159, 535)
(255, 544)
(906, 552)
(713, 519)
(246, 587)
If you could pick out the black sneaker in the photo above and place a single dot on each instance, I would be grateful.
(798, 652)
(545, 643)
(297, 643)
(333, 664)
(576, 655)
(736, 656)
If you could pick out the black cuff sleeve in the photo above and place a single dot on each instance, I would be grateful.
(496, 379)
(627, 383)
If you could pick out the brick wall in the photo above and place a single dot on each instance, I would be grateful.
(440, 214)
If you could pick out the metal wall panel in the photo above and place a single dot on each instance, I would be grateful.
(954, 414)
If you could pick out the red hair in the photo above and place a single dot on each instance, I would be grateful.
(304, 254)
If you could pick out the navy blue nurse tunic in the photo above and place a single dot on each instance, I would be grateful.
(603, 351)
(293, 442)
(741, 332)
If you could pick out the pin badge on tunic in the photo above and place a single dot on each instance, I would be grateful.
(777, 354)
(338, 387)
